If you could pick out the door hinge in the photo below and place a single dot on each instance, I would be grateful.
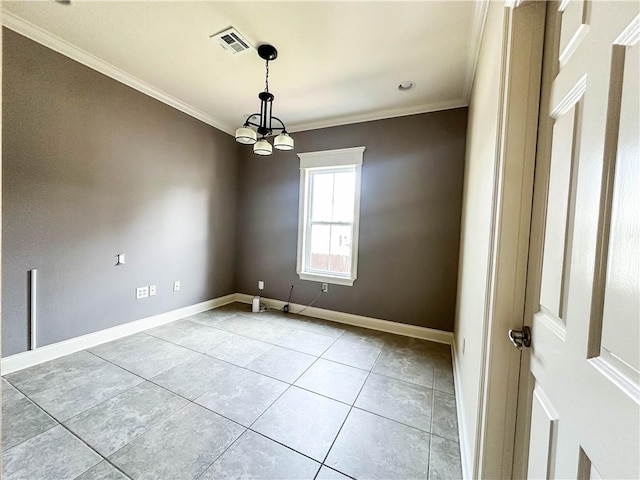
(520, 338)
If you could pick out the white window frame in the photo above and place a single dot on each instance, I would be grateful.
(328, 160)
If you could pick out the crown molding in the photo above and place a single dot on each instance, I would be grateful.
(380, 115)
(43, 37)
(478, 21)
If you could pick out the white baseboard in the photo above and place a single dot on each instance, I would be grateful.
(50, 352)
(358, 320)
(465, 455)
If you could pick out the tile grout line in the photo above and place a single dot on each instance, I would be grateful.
(285, 391)
(61, 423)
(445, 438)
(433, 414)
(152, 427)
(290, 384)
(335, 339)
(150, 380)
(183, 362)
(351, 406)
(105, 458)
(286, 446)
(342, 336)
(351, 409)
(375, 413)
(154, 424)
(238, 334)
(39, 408)
(221, 454)
(259, 416)
(267, 408)
(303, 330)
(8, 379)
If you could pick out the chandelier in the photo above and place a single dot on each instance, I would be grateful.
(262, 124)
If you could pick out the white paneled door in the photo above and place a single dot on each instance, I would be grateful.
(580, 387)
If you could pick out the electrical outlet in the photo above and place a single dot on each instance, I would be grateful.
(260, 285)
(142, 292)
(176, 286)
(152, 290)
(325, 287)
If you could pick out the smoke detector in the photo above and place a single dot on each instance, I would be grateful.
(232, 41)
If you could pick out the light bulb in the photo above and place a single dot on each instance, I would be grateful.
(283, 142)
(262, 147)
(246, 136)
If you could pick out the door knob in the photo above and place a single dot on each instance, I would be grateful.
(520, 338)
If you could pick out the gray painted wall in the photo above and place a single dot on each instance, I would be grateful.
(93, 168)
(412, 180)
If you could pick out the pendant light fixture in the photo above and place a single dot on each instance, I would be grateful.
(258, 126)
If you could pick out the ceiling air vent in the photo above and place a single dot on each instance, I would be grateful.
(232, 41)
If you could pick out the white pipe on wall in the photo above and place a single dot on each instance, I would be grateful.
(33, 308)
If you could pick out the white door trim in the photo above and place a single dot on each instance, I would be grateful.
(511, 217)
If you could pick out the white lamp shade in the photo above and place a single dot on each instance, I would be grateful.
(262, 147)
(283, 142)
(246, 136)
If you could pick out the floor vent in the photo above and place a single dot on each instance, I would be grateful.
(231, 40)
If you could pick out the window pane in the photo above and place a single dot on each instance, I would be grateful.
(343, 196)
(322, 196)
(340, 254)
(328, 215)
(320, 247)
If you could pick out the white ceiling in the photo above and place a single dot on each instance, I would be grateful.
(338, 62)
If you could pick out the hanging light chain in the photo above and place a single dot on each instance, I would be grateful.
(266, 78)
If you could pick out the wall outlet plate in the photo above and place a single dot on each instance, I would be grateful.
(152, 290)
(325, 287)
(260, 285)
(176, 286)
(142, 292)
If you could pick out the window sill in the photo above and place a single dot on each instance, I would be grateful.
(314, 277)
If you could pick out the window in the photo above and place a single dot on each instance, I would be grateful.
(329, 215)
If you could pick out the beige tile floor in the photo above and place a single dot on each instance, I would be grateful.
(231, 394)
